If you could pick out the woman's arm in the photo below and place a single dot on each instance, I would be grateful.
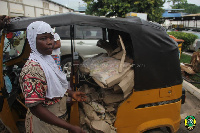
(45, 115)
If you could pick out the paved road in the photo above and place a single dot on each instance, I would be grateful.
(190, 107)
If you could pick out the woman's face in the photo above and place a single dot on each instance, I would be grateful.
(45, 43)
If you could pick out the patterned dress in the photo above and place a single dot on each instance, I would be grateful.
(57, 60)
(34, 86)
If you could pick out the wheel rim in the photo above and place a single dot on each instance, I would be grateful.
(67, 69)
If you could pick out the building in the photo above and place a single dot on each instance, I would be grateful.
(192, 20)
(81, 9)
(176, 18)
(140, 15)
(170, 16)
(31, 8)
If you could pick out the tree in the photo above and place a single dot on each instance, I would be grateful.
(120, 8)
(108, 8)
(189, 8)
(153, 8)
(177, 1)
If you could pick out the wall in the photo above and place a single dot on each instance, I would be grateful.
(30, 8)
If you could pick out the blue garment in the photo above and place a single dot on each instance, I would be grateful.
(8, 84)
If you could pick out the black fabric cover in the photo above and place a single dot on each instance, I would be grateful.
(155, 54)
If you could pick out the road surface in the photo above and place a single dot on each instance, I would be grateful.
(190, 107)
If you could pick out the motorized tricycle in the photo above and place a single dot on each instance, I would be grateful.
(153, 101)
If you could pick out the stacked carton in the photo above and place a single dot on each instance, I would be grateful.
(114, 75)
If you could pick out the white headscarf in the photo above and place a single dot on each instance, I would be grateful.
(56, 80)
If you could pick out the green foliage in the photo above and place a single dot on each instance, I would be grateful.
(151, 7)
(177, 1)
(120, 8)
(189, 8)
(183, 4)
(188, 38)
(109, 8)
(185, 58)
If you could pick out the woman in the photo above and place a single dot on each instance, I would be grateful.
(56, 52)
(43, 84)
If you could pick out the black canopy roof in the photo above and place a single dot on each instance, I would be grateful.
(155, 54)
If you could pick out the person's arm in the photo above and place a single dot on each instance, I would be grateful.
(45, 115)
(57, 44)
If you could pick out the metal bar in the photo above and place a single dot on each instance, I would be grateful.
(1, 62)
(72, 52)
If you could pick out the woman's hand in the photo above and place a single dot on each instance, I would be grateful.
(76, 129)
(79, 96)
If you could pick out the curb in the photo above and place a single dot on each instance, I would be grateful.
(191, 88)
(187, 53)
